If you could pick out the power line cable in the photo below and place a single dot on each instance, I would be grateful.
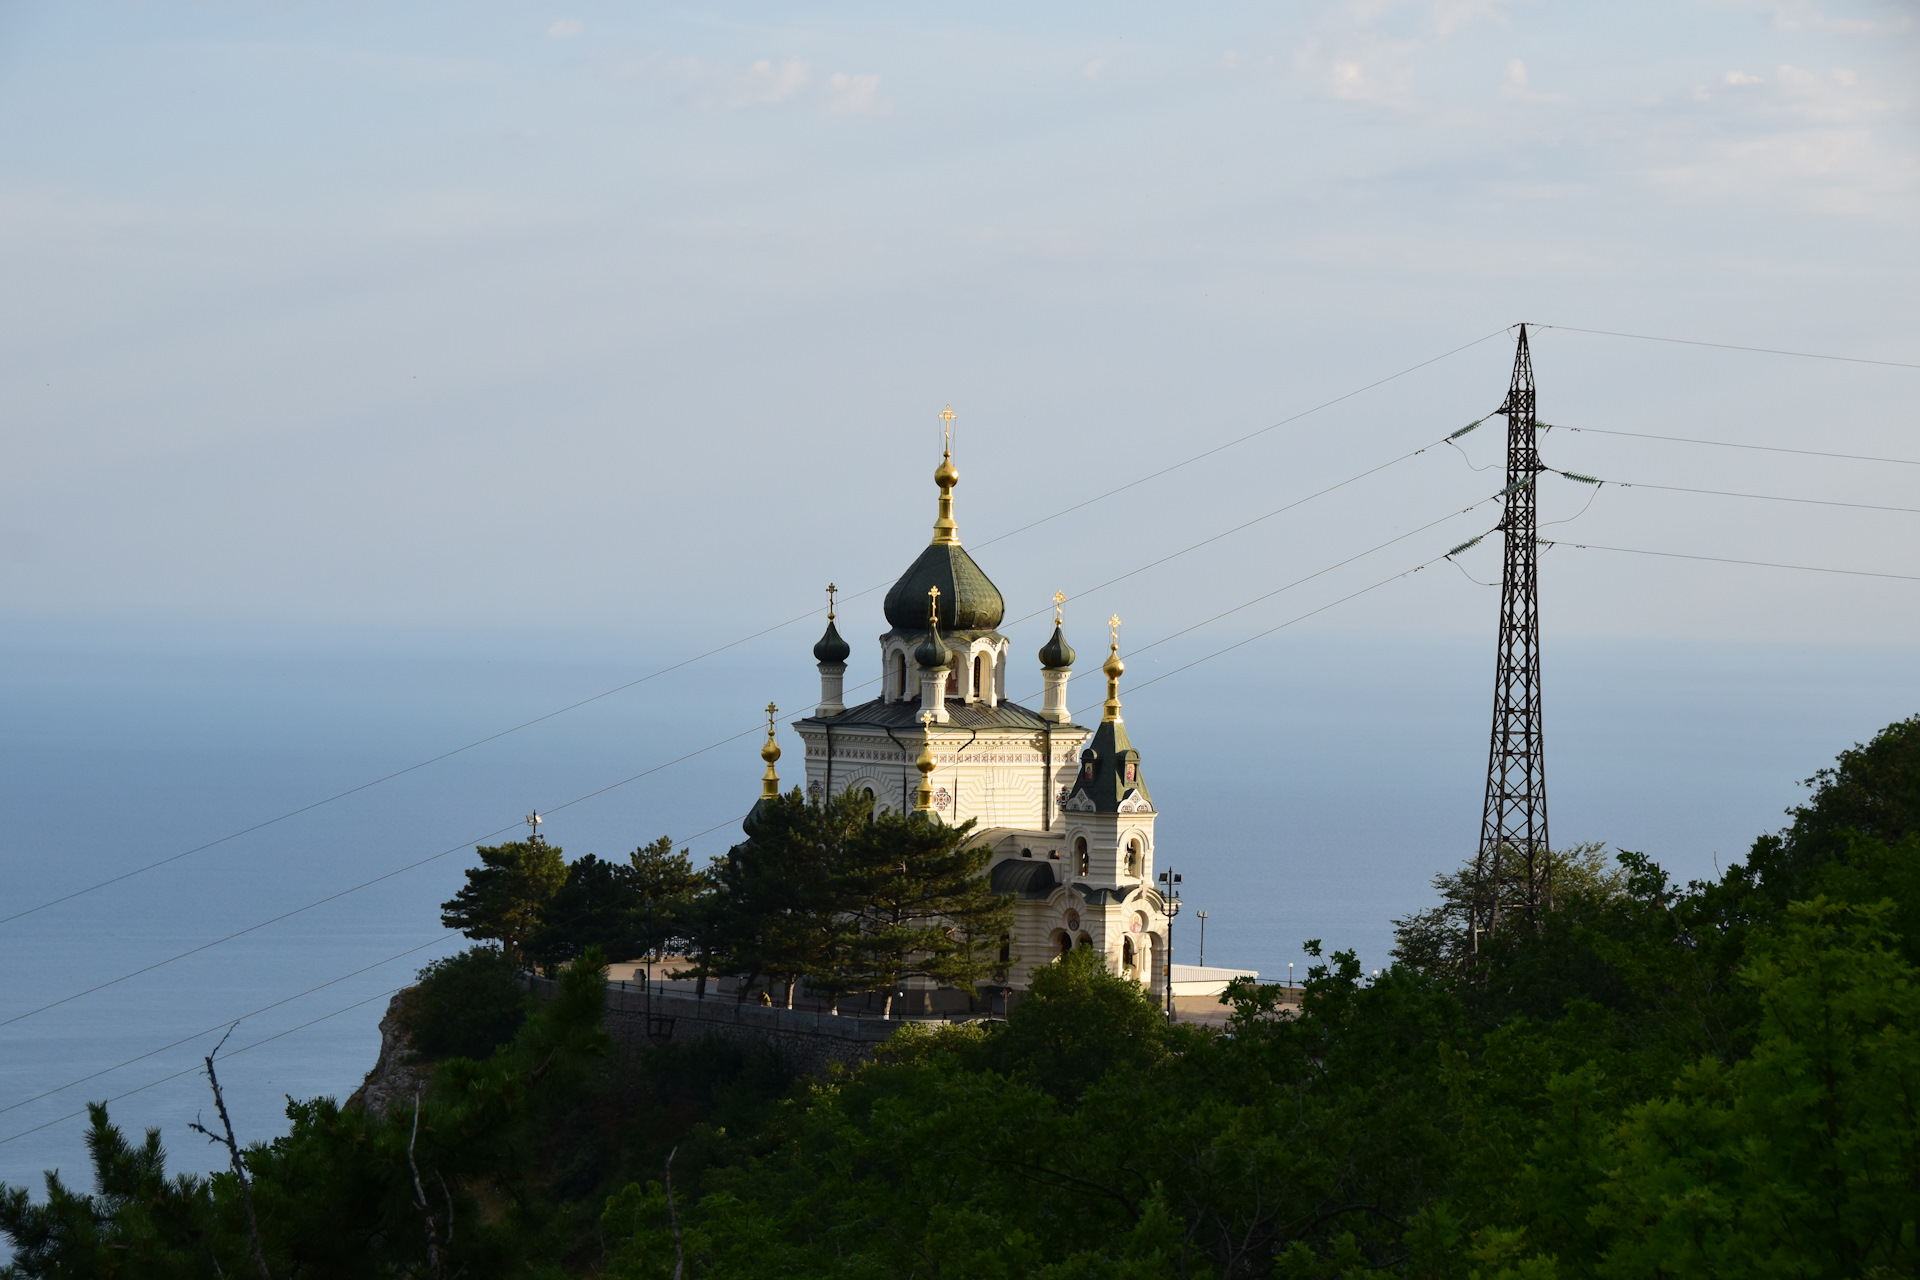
(228, 1023)
(1731, 444)
(1729, 493)
(1762, 564)
(384, 995)
(653, 675)
(365, 884)
(1730, 346)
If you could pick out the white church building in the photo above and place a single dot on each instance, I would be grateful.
(1064, 808)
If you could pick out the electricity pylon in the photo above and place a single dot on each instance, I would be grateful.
(1512, 872)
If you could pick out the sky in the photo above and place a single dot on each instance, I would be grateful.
(379, 377)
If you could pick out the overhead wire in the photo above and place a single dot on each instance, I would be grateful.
(1731, 346)
(1733, 444)
(1730, 493)
(1762, 564)
(731, 644)
(229, 1022)
(185, 1071)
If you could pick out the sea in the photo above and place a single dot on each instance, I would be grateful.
(221, 835)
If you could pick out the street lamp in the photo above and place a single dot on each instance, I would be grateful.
(1170, 901)
(1201, 916)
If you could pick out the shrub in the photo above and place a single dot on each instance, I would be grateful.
(465, 1005)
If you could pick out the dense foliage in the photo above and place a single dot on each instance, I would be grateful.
(833, 896)
(466, 1005)
(1721, 1079)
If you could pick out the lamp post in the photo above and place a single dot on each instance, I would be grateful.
(1201, 916)
(1170, 901)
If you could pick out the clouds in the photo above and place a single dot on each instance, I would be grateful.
(566, 29)
(763, 83)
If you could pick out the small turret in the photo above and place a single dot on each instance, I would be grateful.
(934, 659)
(1056, 664)
(831, 653)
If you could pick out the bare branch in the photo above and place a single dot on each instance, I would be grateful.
(673, 1219)
(226, 1139)
(420, 1194)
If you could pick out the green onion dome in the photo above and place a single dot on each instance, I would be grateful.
(831, 648)
(933, 652)
(1056, 654)
(968, 599)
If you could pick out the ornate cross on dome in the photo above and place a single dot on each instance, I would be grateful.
(946, 428)
(772, 711)
(830, 590)
(1059, 598)
(933, 606)
(1114, 622)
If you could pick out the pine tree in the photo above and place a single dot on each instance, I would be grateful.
(506, 896)
(919, 906)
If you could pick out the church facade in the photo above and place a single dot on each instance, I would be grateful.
(1064, 808)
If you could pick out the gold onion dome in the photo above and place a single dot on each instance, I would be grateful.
(769, 782)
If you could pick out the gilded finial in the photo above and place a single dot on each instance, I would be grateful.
(1113, 668)
(945, 533)
(923, 798)
(831, 589)
(770, 781)
(933, 608)
(1059, 599)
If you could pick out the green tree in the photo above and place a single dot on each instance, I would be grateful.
(918, 905)
(506, 896)
(137, 1223)
(665, 888)
(1803, 1159)
(778, 907)
(465, 1005)
(593, 907)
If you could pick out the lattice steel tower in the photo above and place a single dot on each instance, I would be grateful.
(1512, 872)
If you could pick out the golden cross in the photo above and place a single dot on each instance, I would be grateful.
(771, 712)
(1059, 598)
(830, 590)
(1114, 622)
(946, 427)
(926, 718)
(933, 606)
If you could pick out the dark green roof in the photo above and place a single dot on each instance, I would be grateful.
(968, 600)
(831, 647)
(1103, 783)
(881, 714)
(1056, 653)
(1029, 878)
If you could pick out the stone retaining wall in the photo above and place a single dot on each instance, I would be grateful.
(809, 1042)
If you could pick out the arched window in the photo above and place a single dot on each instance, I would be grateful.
(980, 676)
(1081, 856)
(1026, 853)
(1133, 857)
(1061, 942)
(897, 676)
(1126, 957)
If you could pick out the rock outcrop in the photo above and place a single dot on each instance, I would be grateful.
(398, 1072)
